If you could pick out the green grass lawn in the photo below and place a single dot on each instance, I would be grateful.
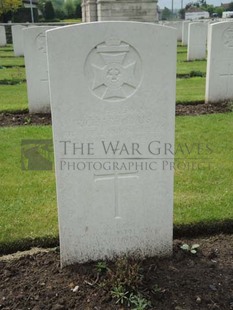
(182, 56)
(205, 194)
(28, 200)
(190, 90)
(184, 66)
(188, 66)
(12, 73)
(13, 97)
(72, 20)
(7, 49)
(181, 49)
(6, 53)
(9, 61)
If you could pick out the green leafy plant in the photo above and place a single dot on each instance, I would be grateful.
(139, 302)
(120, 294)
(27, 120)
(156, 288)
(190, 248)
(101, 267)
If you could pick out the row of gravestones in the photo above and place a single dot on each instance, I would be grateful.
(218, 38)
(31, 43)
(194, 35)
(112, 91)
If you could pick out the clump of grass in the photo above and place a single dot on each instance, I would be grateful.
(122, 280)
(126, 273)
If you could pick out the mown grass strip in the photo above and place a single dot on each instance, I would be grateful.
(12, 73)
(190, 90)
(13, 97)
(187, 67)
(204, 188)
(13, 62)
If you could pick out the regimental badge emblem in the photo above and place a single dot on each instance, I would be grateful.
(113, 70)
(228, 37)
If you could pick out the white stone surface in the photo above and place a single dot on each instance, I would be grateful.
(185, 26)
(197, 39)
(2, 36)
(35, 53)
(219, 76)
(113, 82)
(17, 38)
(178, 26)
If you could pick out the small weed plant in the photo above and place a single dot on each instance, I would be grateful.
(190, 248)
(101, 267)
(120, 294)
(122, 280)
(138, 302)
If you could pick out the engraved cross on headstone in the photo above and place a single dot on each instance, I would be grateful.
(116, 177)
(229, 76)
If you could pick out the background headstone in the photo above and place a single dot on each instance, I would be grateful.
(178, 27)
(197, 39)
(219, 76)
(110, 82)
(185, 26)
(35, 53)
(2, 36)
(17, 38)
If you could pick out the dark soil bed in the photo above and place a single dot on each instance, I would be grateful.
(24, 118)
(183, 282)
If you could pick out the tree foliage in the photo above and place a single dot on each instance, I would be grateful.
(182, 13)
(9, 5)
(69, 7)
(166, 14)
(78, 10)
(49, 13)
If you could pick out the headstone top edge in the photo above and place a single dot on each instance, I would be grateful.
(34, 28)
(230, 23)
(117, 23)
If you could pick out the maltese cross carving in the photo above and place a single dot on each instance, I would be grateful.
(116, 70)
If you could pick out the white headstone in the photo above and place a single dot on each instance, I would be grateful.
(35, 53)
(2, 36)
(185, 32)
(219, 78)
(197, 39)
(113, 84)
(178, 26)
(17, 38)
